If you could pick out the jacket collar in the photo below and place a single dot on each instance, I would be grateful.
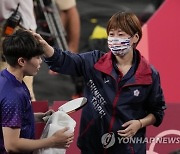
(104, 64)
(142, 74)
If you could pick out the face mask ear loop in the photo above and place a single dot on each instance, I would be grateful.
(134, 44)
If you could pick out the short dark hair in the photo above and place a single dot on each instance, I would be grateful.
(127, 22)
(20, 44)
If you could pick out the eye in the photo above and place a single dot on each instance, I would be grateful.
(120, 34)
(111, 34)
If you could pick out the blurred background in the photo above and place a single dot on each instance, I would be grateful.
(93, 17)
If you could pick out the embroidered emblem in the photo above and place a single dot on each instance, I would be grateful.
(136, 92)
(106, 80)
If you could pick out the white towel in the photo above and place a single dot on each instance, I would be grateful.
(57, 121)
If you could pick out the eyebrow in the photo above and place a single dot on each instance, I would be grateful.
(119, 30)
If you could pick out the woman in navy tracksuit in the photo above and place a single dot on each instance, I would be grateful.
(123, 90)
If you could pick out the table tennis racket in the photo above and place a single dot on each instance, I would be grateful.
(71, 106)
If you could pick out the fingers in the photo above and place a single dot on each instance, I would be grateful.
(48, 50)
(49, 112)
(131, 129)
(70, 138)
(126, 132)
(68, 142)
(65, 132)
(67, 146)
(37, 36)
(130, 135)
(63, 138)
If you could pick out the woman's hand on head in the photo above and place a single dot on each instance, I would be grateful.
(48, 50)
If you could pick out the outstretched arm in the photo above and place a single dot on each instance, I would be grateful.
(13, 143)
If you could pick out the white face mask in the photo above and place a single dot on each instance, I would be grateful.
(119, 46)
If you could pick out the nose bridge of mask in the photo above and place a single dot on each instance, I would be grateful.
(119, 41)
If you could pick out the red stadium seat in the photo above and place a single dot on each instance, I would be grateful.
(39, 106)
(76, 116)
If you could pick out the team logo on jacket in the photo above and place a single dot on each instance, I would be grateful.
(136, 92)
(106, 80)
(108, 140)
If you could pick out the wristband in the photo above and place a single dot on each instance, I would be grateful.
(140, 123)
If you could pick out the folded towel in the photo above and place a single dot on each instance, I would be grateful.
(57, 121)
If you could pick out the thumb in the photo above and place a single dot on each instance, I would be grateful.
(126, 124)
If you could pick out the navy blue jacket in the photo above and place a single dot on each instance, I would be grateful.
(113, 99)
